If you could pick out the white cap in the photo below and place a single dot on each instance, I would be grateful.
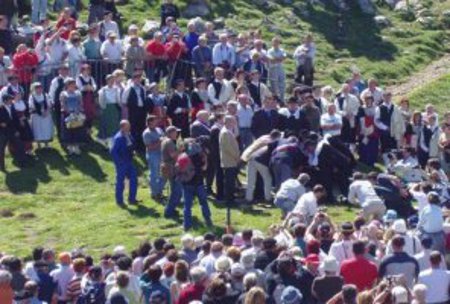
(399, 226)
(330, 265)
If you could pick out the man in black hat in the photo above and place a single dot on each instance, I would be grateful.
(8, 133)
(292, 119)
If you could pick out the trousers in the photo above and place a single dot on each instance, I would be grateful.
(254, 167)
(176, 192)
(128, 171)
(38, 10)
(277, 78)
(190, 192)
(156, 181)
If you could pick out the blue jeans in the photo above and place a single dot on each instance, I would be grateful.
(125, 171)
(190, 191)
(176, 191)
(245, 138)
(38, 10)
(155, 179)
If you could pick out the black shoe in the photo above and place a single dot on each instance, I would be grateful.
(120, 205)
(209, 223)
(136, 202)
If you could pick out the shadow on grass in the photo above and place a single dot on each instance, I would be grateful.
(353, 31)
(26, 180)
(142, 211)
(53, 159)
(89, 166)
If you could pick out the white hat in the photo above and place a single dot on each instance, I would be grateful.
(330, 265)
(400, 294)
(248, 259)
(399, 226)
(222, 264)
(119, 250)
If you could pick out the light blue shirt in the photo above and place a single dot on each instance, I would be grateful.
(431, 219)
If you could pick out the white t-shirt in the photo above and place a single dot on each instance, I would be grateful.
(362, 192)
(437, 282)
(306, 205)
(291, 189)
(327, 120)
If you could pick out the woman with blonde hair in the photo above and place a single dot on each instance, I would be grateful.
(255, 295)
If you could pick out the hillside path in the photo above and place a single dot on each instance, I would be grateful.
(433, 71)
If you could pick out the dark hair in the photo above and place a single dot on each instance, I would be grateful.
(217, 288)
(318, 189)
(168, 246)
(95, 273)
(209, 236)
(435, 258)
(426, 242)
(124, 263)
(154, 273)
(359, 247)
(299, 230)
(14, 264)
(359, 222)
(172, 255)
(349, 293)
(247, 234)
(227, 240)
(144, 249)
(206, 247)
(37, 253)
(89, 261)
(182, 271)
(398, 241)
(158, 244)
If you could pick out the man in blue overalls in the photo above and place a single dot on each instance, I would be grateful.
(122, 153)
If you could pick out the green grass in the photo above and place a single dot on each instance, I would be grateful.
(436, 93)
(67, 203)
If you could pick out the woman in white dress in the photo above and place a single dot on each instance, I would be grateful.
(41, 119)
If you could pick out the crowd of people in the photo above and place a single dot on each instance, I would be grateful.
(203, 107)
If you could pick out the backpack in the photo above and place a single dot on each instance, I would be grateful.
(184, 168)
(92, 294)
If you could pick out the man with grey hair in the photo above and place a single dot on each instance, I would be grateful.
(224, 54)
(290, 191)
(200, 127)
(194, 291)
(229, 156)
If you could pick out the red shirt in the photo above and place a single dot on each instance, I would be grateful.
(70, 24)
(155, 48)
(190, 293)
(24, 63)
(359, 271)
(175, 50)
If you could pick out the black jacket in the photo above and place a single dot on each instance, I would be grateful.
(263, 124)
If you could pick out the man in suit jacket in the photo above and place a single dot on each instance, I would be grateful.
(200, 127)
(122, 154)
(9, 134)
(265, 119)
(179, 108)
(229, 156)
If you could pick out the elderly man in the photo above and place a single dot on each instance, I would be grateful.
(229, 157)
(224, 54)
(347, 106)
(122, 151)
(390, 123)
(244, 116)
(374, 91)
(220, 90)
(202, 58)
(200, 127)
(331, 122)
(111, 51)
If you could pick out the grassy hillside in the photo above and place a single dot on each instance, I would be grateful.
(436, 93)
(389, 54)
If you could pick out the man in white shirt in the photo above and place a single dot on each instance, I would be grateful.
(347, 105)
(362, 193)
(223, 53)
(437, 281)
(307, 204)
(63, 275)
(244, 118)
(290, 191)
(220, 90)
(423, 258)
(374, 91)
(343, 249)
(431, 222)
(111, 50)
(331, 122)
(412, 243)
